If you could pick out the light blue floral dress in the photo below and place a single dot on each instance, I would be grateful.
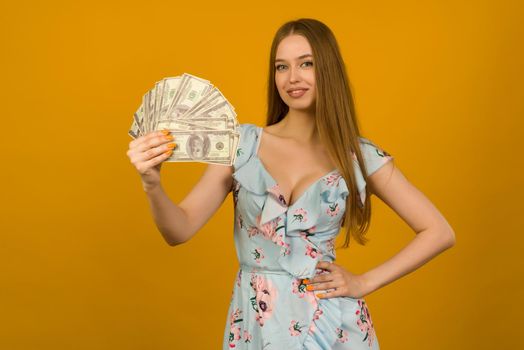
(279, 245)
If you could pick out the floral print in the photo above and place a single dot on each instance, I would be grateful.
(300, 214)
(258, 254)
(295, 328)
(342, 335)
(279, 245)
(365, 323)
(333, 209)
(264, 299)
(311, 251)
(299, 287)
(234, 331)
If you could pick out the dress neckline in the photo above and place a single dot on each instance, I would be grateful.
(275, 182)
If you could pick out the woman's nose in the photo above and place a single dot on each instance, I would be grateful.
(294, 74)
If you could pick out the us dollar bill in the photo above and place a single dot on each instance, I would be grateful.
(202, 146)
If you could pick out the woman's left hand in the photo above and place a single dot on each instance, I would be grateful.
(347, 284)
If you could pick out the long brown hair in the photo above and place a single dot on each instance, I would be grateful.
(336, 120)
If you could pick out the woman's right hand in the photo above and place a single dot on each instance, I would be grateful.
(147, 153)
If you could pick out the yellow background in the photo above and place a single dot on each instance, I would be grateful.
(437, 84)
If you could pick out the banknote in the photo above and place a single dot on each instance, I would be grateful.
(200, 117)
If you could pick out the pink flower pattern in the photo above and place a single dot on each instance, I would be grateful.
(298, 287)
(270, 228)
(234, 331)
(333, 179)
(251, 231)
(258, 253)
(316, 316)
(342, 335)
(311, 251)
(333, 209)
(295, 328)
(300, 214)
(247, 336)
(364, 322)
(309, 232)
(330, 246)
(265, 297)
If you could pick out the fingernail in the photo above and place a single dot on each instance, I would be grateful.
(305, 281)
(309, 287)
(320, 295)
(171, 145)
(169, 137)
(165, 132)
(168, 152)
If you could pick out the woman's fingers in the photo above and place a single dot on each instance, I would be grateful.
(154, 152)
(323, 286)
(155, 141)
(142, 167)
(149, 146)
(141, 139)
(150, 150)
(151, 140)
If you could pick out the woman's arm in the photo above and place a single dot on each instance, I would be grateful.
(433, 233)
(178, 223)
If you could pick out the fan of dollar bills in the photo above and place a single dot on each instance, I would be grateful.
(200, 118)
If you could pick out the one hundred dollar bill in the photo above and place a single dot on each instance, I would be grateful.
(202, 145)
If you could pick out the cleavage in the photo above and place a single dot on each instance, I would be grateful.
(310, 179)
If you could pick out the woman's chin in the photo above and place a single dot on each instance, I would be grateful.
(303, 107)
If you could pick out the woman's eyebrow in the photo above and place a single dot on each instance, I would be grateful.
(298, 58)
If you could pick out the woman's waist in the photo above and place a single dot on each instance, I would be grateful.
(264, 269)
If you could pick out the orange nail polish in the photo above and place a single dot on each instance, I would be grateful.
(305, 281)
(165, 132)
(171, 145)
(309, 287)
(320, 295)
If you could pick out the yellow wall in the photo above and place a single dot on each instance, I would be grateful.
(82, 265)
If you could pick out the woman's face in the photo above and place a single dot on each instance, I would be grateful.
(294, 70)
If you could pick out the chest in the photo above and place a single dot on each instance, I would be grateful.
(293, 166)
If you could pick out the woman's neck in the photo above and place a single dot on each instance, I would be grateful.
(299, 125)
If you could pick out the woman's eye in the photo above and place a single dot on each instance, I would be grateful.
(281, 65)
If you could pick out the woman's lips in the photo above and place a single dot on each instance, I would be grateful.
(297, 93)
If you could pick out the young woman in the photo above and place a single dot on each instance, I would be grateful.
(295, 183)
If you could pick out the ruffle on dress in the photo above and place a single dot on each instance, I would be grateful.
(292, 238)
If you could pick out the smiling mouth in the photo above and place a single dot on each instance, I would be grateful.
(297, 93)
(297, 89)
